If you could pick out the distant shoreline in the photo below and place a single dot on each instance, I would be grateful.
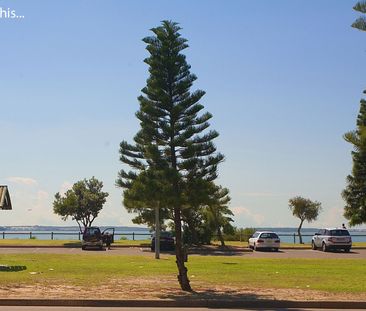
(67, 228)
(145, 229)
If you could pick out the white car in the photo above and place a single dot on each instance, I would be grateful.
(264, 240)
(333, 238)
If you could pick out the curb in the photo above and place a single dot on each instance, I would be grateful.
(187, 303)
(63, 246)
(234, 249)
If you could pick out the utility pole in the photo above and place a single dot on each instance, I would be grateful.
(157, 233)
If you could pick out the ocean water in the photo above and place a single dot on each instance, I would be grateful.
(62, 235)
(287, 235)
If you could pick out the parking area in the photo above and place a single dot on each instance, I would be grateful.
(131, 251)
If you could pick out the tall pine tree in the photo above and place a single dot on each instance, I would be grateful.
(355, 192)
(174, 139)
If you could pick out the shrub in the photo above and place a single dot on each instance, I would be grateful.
(240, 234)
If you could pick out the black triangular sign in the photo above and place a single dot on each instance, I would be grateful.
(5, 202)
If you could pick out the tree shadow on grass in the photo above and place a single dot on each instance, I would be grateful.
(72, 244)
(211, 295)
(6, 268)
(229, 299)
(208, 250)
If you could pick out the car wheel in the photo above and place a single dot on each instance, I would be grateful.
(324, 247)
(313, 247)
(275, 249)
(83, 248)
(347, 250)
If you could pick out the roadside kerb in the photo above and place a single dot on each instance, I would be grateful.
(229, 249)
(187, 303)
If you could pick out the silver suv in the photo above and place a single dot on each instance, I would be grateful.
(333, 238)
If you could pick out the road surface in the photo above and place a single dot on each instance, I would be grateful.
(288, 253)
(5, 308)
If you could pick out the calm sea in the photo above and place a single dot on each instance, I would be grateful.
(64, 235)
(286, 234)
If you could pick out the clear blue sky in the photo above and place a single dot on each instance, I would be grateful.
(283, 82)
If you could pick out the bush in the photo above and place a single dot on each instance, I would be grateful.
(240, 234)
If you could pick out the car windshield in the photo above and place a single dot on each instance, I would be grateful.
(92, 231)
(164, 234)
(269, 235)
(339, 232)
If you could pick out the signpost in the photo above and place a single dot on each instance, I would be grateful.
(5, 202)
(157, 233)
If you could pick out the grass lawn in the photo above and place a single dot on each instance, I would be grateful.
(142, 243)
(333, 275)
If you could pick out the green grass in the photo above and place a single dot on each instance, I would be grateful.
(333, 275)
(31, 242)
(75, 243)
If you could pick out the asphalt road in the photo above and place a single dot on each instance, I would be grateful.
(288, 253)
(6, 308)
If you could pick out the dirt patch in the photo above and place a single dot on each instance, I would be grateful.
(167, 288)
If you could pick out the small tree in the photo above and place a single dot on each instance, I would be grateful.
(219, 214)
(82, 203)
(304, 209)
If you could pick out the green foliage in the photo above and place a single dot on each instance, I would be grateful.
(169, 149)
(148, 190)
(304, 209)
(360, 7)
(240, 234)
(207, 214)
(360, 23)
(123, 238)
(82, 203)
(355, 192)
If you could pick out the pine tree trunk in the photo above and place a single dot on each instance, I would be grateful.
(179, 253)
(221, 238)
